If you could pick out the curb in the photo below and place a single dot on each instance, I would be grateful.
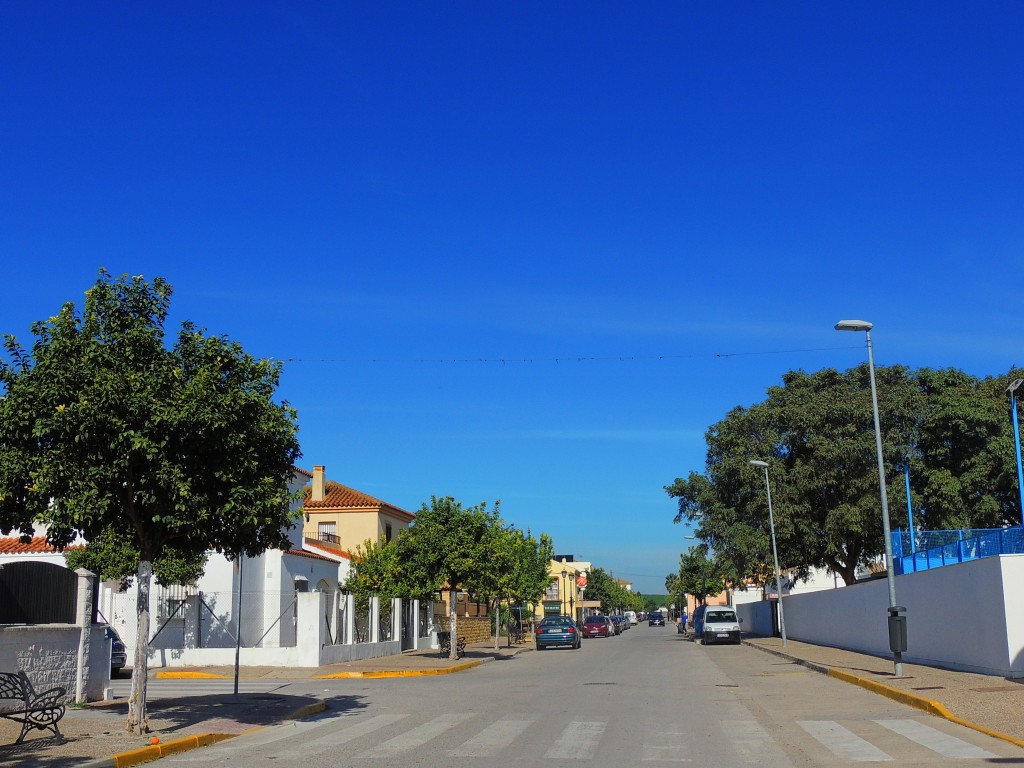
(910, 699)
(191, 676)
(186, 743)
(382, 673)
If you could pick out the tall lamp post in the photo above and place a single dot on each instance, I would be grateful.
(775, 551)
(890, 575)
(1012, 389)
(564, 590)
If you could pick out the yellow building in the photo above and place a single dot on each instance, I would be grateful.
(566, 592)
(344, 518)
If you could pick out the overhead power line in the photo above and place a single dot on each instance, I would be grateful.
(557, 360)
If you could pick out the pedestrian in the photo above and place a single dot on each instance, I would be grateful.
(682, 622)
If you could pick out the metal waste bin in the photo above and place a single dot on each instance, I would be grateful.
(897, 629)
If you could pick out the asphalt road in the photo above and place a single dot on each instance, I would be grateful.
(647, 696)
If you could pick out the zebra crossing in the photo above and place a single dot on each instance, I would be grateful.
(389, 736)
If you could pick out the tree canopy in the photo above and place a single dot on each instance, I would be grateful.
(817, 433)
(165, 452)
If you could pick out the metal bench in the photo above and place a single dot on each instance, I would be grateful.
(20, 702)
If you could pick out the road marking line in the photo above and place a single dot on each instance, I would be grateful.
(417, 736)
(935, 740)
(492, 739)
(843, 743)
(578, 741)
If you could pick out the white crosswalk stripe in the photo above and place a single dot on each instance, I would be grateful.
(579, 741)
(842, 742)
(493, 739)
(935, 740)
(393, 735)
(418, 736)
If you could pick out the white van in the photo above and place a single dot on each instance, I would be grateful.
(719, 625)
(631, 615)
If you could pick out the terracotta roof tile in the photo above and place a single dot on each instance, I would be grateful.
(36, 546)
(312, 555)
(338, 496)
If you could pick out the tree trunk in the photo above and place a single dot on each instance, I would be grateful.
(454, 652)
(138, 719)
(497, 621)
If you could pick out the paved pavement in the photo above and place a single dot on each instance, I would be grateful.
(95, 735)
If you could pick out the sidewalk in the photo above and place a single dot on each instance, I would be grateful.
(94, 735)
(983, 702)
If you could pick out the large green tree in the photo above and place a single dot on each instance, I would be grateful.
(105, 430)
(817, 433)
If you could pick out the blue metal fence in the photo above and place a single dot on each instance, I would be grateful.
(931, 549)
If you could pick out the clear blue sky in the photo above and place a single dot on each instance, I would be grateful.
(528, 251)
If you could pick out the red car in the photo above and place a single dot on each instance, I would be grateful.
(598, 626)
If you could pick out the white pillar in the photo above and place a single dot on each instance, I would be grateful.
(415, 625)
(83, 611)
(374, 619)
(191, 609)
(350, 619)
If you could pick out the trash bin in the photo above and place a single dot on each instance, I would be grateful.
(897, 629)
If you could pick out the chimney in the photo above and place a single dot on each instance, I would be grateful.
(318, 483)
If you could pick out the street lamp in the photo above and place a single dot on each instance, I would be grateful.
(564, 590)
(775, 551)
(864, 325)
(1012, 389)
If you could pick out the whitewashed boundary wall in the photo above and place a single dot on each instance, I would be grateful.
(968, 616)
(312, 648)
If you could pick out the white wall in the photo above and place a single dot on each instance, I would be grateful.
(979, 601)
(48, 654)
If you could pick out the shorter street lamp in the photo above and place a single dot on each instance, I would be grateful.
(775, 551)
(564, 590)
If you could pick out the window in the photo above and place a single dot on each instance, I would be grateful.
(327, 532)
(387, 533)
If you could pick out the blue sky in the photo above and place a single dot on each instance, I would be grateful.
(528, 251)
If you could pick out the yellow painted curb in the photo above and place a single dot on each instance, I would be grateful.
(173, 747)
(381, 673)
(185, 743)
(190, 676)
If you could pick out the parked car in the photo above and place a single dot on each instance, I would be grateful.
(719, 624)
(598, 626)
(631, 616)
(656, 619)
(118, 652)
(557, 630)
(620, 622)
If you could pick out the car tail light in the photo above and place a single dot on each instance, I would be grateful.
(572, 630)
(540, 631)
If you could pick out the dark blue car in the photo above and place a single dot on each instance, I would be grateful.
(557, 631)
